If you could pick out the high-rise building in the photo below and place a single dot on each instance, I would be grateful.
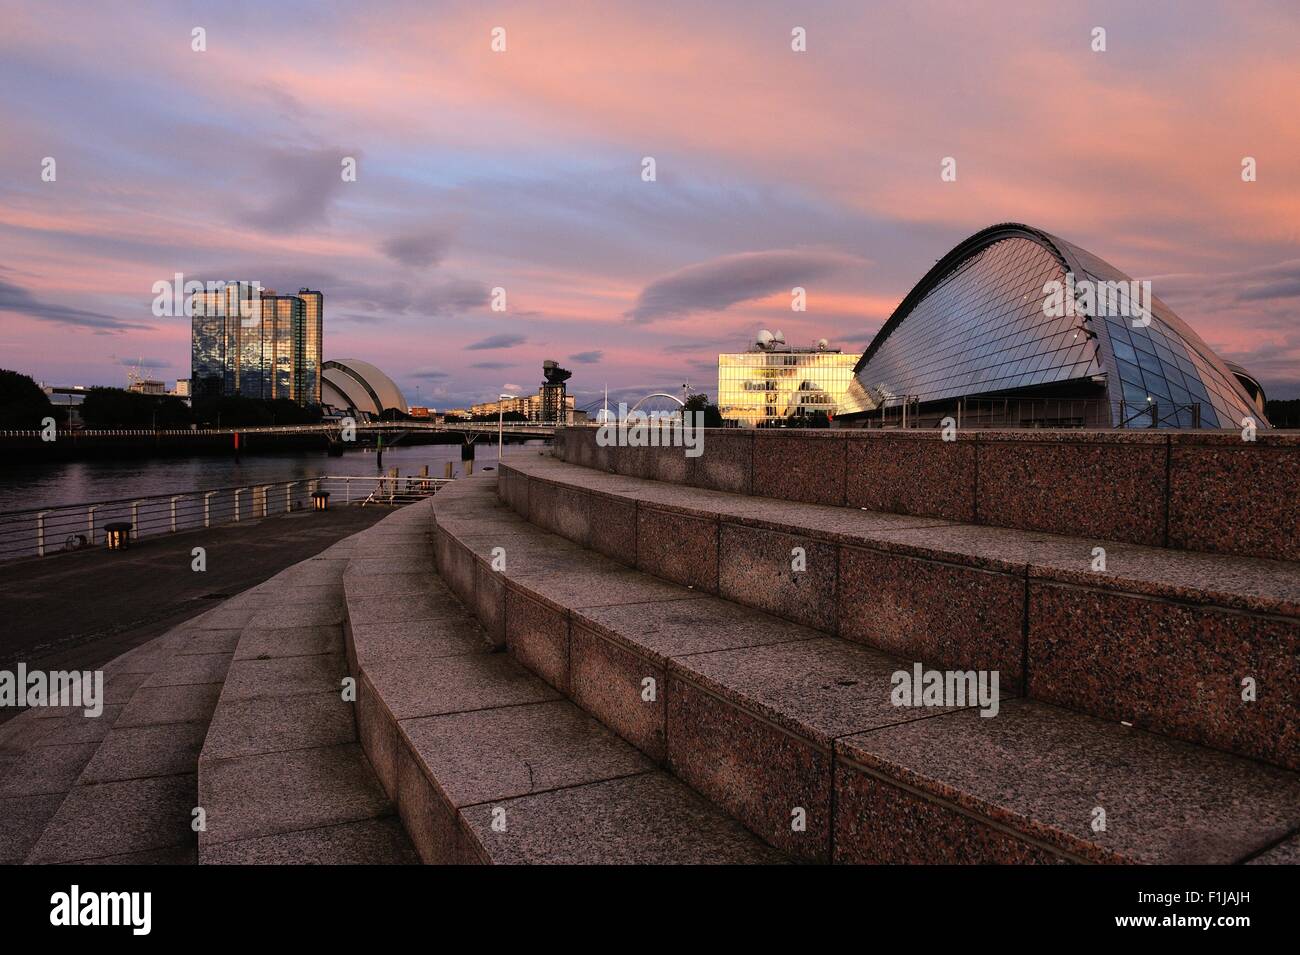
(774, 382)
(312, 339)
(250, 341)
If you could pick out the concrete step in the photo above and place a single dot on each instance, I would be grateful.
(1166, 640)
(794, 733)
(282, 776)
(120, 787)
(487, 763)
(1159, 488)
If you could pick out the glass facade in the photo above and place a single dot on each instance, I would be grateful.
(764, 388)
(976, 326)
(308, 369)
(255, 343)
(1164, 362)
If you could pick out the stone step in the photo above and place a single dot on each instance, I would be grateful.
(1162, 639)
(489, 764)
(282, 776)
(794, 732)
(119, 787)
(1159, 488)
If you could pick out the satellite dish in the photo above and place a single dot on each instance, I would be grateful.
(779, 336)
(765, 338)
(822, 343)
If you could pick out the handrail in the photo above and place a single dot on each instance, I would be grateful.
(38, 531)
(217, 490)
(289, 429)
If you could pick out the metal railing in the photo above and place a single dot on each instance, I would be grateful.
(39, 532)
(543, 429)
(1012, 413)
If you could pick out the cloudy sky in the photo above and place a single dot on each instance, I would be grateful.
(523, 170)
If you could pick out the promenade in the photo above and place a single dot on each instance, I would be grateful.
(80, 610)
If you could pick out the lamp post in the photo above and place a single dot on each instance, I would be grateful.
(500, 422)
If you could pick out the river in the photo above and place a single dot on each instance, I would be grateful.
(47, 484)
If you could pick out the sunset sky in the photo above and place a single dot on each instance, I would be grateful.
(522, 170)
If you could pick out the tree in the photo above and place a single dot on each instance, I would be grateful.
(1283, 413)
(237, 411)
(23, 405)
(712, 414)
(119, 408)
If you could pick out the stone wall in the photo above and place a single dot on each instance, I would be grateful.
(1205, 491)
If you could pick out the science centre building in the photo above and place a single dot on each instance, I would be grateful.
(1019, 326)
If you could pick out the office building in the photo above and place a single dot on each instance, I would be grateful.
(774, 382)
(252, 342)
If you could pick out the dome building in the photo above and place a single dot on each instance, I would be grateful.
(359, 386)
(1014, 317)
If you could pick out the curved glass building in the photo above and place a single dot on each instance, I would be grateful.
(359, 386)
(1014, 317)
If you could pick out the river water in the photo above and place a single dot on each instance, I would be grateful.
(24, 486)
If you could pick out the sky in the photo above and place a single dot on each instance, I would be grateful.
(524, 170)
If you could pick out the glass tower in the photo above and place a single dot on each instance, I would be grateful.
(253, 342)
(310, 340)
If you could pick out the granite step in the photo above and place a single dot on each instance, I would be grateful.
(119, 787)
(282, 777)
(487, 763)
(793, 732)
(1166, 640)
(1161, 488)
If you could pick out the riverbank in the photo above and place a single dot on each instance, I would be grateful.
(85, 445)
(47, 483)
(81, 609)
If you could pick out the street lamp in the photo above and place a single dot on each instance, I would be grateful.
(500, 422)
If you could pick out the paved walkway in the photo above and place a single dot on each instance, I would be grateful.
(80, 610)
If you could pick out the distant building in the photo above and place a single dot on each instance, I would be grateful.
(182, 388)
(252, 342)
(420, 412)
(147, 386)
(69, 399)
(308, 370)
(550, 404)
(774, 382)
(359, 387)
(532, 407)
